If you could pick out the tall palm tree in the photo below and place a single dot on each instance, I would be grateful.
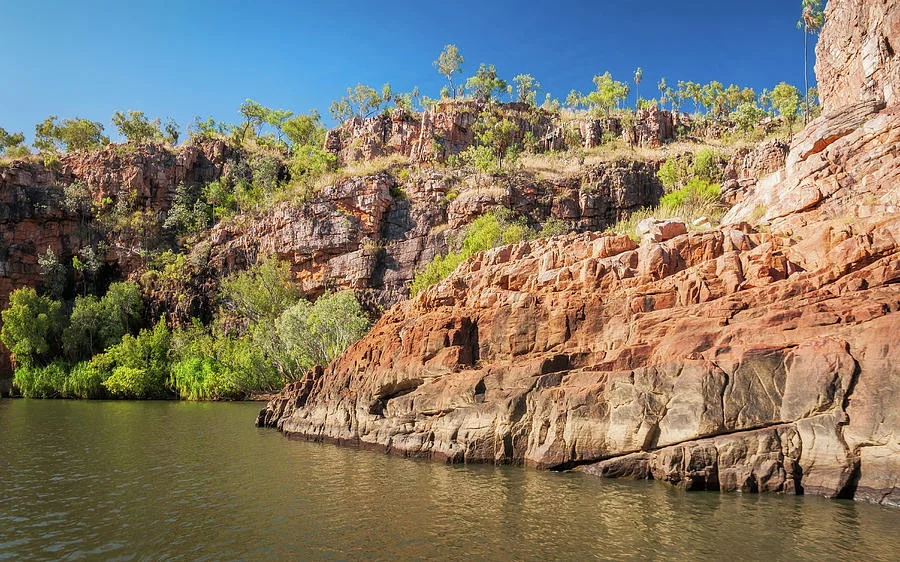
(811, 20)
(638, 77)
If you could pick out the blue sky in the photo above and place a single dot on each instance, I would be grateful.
(184, 58)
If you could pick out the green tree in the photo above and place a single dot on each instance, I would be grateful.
(812, 18)
(574, 99)
(135, 127)
(140, 364)
(11, 144)
(361, 101)
(608, 94)
(485, 83)
(747, 115)
(31, 325)
(317, 333)
(638, 78)
(527, 88)
(171, 131)
(303, 130)
(786, 100)
(263, 291)
(448, 63)
(497, 133)
(53, 273)
(68, 134)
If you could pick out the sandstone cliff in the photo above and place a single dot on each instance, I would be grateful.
(762, 356)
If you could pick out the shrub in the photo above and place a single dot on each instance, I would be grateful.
(706, 165)
(141, 364)
(41, 382)
(487, 231)
(86, 379)
(317, 333)
(31, 325)
(263, 291)
(554, 227)
(194, 378)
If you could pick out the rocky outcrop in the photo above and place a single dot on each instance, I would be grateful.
(448, 129)
(858, 53)
(737, 359)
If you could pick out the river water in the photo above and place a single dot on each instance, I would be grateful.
(159, 480)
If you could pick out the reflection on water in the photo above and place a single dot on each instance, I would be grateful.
(161, 479)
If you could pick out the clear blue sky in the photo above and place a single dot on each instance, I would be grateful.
(184, 58)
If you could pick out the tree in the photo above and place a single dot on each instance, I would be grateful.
(254, 115)
(608, 94)
(11, 144)
(263, 291)
(172, 131)
(786, 100)
(448, 63)
(135, 127)
(361, 101)
(68, 134)
(812, 18)
(747, 115)
(317, 333)
(31, 325)
(638, 78)
(53, 273)
(574, 99)
(485, 83)
(307, 129)
(663, 91)
(527, 88)
(496, 133)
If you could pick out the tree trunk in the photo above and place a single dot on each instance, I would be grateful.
(806, 72)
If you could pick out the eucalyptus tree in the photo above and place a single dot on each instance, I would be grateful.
(812, 18)
(638, 78)
(527, 88)
(448, 63)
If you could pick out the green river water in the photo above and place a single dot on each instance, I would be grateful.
(174, 480)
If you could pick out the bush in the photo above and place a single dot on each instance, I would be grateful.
(263, 291)
(141, 364)
(96, 325)
(706, 165)
(194, 378)
(41, 382)
(487, 231)
(31, 325)
(315, 334)
(86, 379)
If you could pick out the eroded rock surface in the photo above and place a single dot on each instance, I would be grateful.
(761, 356)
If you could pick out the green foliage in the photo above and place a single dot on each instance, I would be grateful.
(135, 127)
(85, 380)
(786, 100)
(53, 273)
(608, 94)
(696, 191)
(361, 101)
(487, 231)
(31, 325)
(263, 291)
(554, 227)
(208, 129)
(41, 382)
(11, 144)
(304, 130)
(448, 63)
(673, 173)
(190, 213)
(140, 364)
(485, 83)
(68, 134)
(317, 333)
(480, 157)
(95, 325)
(706, 165)
(527, 88)
(497, 133)
(747, 115)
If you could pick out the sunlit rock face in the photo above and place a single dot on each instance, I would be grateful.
(761, 356)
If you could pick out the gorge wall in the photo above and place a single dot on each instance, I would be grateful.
(761, 356)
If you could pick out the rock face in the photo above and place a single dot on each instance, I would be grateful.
(858, 54)
(370, 234)
(736, 359)
(448, 129)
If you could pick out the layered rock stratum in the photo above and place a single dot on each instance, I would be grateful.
(760, 356)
